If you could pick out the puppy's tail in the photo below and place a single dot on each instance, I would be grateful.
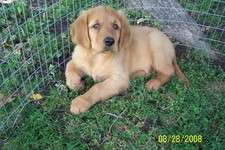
(180, 74)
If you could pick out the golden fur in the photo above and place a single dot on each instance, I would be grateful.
(135, 50)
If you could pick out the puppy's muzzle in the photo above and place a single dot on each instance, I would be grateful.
(109, 41)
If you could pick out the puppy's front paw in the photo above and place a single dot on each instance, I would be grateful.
(79, 105)
(153, 84)
(71, 83)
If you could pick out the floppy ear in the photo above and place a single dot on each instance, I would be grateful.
(79, 31)
(125, 34)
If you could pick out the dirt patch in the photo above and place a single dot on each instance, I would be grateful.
(219, 62)
(148, 123)
(151, 102)
(159, 121)
(181, 51)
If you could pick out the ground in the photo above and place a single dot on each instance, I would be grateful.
(134, 119)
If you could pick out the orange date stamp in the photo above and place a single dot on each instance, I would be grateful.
(180, 138)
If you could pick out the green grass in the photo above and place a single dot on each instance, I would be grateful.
(132, 120)
(173, 110)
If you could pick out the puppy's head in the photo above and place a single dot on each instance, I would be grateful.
(101, 29)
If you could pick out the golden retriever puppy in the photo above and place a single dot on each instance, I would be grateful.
(112, 51)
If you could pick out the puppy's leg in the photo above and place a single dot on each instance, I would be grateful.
(164, 73)
(99, 92)
(138, 73)
(73, 76)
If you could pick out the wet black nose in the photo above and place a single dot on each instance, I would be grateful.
(109, 41)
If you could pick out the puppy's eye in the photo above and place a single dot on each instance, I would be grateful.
(96, 26)
(115, 26)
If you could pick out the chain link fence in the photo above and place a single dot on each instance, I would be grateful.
(35, 42)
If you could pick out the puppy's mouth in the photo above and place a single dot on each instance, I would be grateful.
(108, 49)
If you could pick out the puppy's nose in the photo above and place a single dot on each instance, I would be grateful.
(109, 41)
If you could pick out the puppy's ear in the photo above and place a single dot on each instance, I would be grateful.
(79, 31)
(125, 34)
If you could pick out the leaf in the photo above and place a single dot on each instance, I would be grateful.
(139, 21)
(6, 1)
(36, 96)
(18, 48)
(5, 99)
(61, 87)
(20, 9)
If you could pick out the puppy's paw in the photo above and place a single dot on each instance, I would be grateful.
(79, 105)
(71, 83)
(153, 84)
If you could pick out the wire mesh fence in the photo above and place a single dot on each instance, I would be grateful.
(35, 41)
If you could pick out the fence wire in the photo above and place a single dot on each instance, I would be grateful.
(35, 43)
